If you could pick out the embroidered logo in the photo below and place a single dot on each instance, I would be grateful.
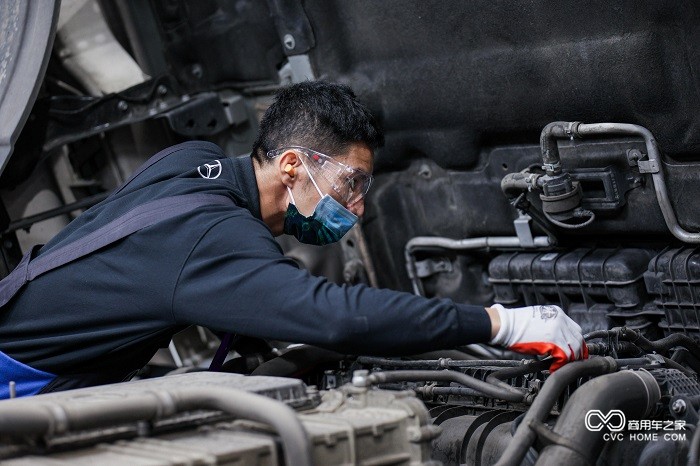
(210, 171)
(547, 312)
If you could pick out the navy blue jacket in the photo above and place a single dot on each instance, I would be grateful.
(219, 267)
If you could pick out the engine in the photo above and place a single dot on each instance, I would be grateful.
(488, 190)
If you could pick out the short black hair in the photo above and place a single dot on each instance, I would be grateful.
(320, 115)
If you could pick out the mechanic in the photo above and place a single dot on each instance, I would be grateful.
(189, 240)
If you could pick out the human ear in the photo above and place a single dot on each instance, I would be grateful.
(287, 165)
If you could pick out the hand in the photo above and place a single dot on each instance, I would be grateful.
(540, 330)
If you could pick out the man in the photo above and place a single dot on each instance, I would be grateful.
(103, 314)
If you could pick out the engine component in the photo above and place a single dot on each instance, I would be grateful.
(674, 279)
(429, 242)
(216, 418)
(588, 284)
(635, 394)
(562, 200)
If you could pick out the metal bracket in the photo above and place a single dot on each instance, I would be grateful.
(74, 118)
(428, 267)
(648, 166)
(523, 231)
(635, 156)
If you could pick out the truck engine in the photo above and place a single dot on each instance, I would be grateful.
(537, 153)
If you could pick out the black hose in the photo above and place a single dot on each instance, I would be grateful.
(499, 377)
(549, 146)
(634, 393)
(683, 356)
(664, 344)
(36, 418)
(597, 334)
(515, 183)
(551, 390)
(437, 363)
(430, 391)
(532, 455)
(502, 393)
(636, 337)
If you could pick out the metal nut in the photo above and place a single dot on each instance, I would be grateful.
(678, 406)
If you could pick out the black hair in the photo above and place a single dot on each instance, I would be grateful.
(322, 116)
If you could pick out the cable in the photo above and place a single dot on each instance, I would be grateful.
(590, 214)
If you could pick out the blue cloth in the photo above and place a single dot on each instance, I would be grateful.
(28, 381)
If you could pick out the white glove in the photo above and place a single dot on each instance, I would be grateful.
(541, 330)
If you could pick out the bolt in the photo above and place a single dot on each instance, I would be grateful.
(123, 106)
(359, 378)
(162, 90)
(678, 406)
(197, 71)
(289, 41)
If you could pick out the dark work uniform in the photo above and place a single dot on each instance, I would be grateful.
(98, 319)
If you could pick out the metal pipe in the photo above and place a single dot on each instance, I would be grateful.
(551, 390)
(429, 242)
(38, 417)
(634, 393)
(653, 165)
(502, 393)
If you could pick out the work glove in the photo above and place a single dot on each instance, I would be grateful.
(541, 330)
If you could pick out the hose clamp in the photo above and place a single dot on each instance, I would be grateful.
(551, 167)
(571, 129)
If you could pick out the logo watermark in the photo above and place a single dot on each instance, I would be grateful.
(614, 422)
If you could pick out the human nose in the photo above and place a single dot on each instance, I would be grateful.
(357, 208)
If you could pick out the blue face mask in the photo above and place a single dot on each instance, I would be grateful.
(329, 222)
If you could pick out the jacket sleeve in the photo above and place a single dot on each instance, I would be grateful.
(236, 279)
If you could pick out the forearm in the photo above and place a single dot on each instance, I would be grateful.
(495, 321)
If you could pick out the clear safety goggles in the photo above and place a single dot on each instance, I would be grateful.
(351, 184)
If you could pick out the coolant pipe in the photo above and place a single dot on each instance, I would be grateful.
(635, 337)
(562, 130)
(432, 242)
(507, 393)
(37, 418)
(550, 149)
(634, 393)
(664, 344)
(541, 407)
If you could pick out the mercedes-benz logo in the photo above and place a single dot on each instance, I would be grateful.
(210, 171)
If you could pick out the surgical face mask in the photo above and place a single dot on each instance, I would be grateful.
(329, 222)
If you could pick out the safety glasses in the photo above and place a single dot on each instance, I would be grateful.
(350, 183)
